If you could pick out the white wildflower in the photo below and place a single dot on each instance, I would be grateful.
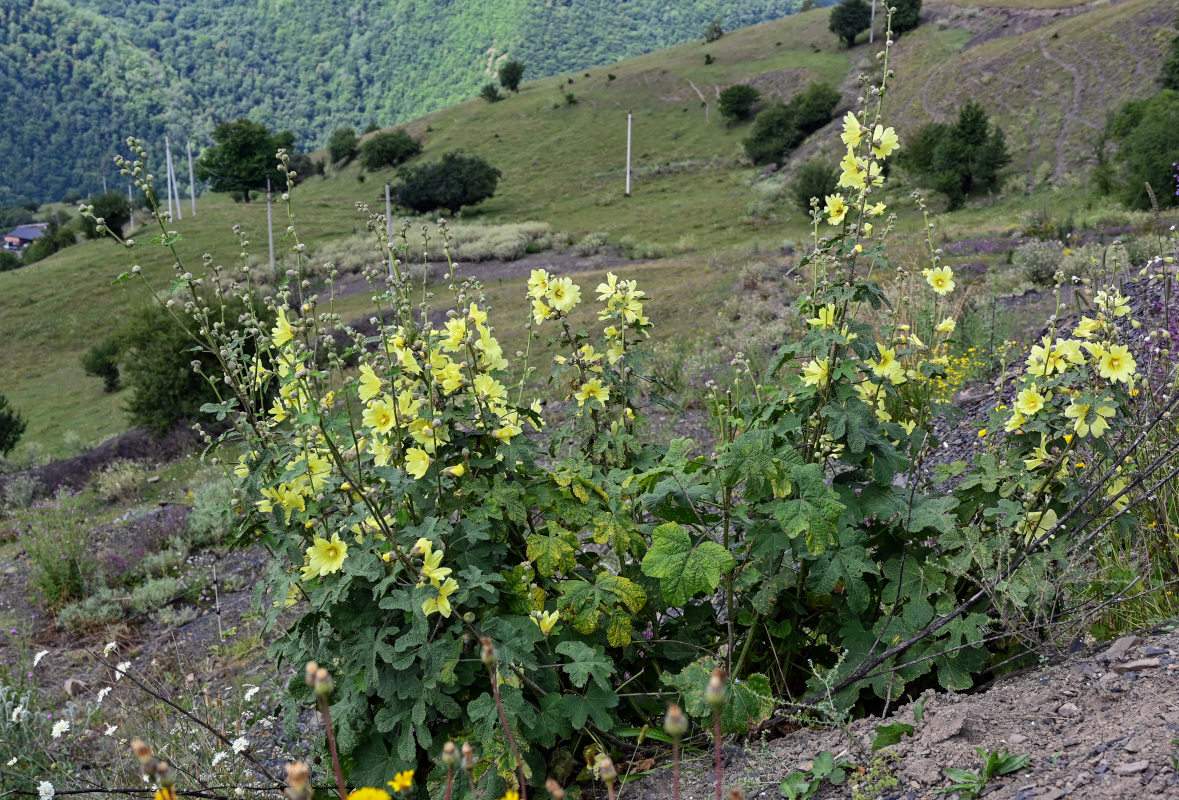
(218, 757)
(102, 693)
(18, 715)
(250, 692)
(60, 727)
(11, 761)
(110, 730)
(110, 648)
(37, 660)
(121, 670)
(45, 789)
(240, 744)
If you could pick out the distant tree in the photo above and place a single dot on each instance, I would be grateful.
(813, 107)
(9, 260)
(907, 16)
(372, 127)
(12, 426)
(342, 145)
(388, 150)
(303, 165)
(808, 5)
(816, 178)
(713, 30)
(242, 158)
(781, 127)
(71, 197)
(102, 361)
(115, 210)
(774, 134)
(11, 216)
(490, 93)
(962, 158)
(1169, 76)
(510, 74)
(1146, 132)
(736, 101)
(848, 18)
(455, 181)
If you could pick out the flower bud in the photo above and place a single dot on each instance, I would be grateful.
(604, 769)
(450, 755)
(141, 751)
(715, 693)
(311, 669)
(675, 723)
(490, 656)
(469, 760)
(164, 776)
(556, 790)
(323, 682)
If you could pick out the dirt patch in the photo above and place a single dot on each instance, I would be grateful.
(1102, 724)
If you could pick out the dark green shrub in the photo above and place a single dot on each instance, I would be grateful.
(114, 209)
(1146, 132)
(848, 19)
(907, 16)
(342, 145)
(455, 181)
(816, 178)
(1169, 75)
(490, 93)
(372, 127)
(774, 135)
(71, 197)
(812, 109)
(510, 75)
(736, 101)
(9, 260)
(102, 361)
(962, 158)
(388, 150)
(713, 30)
(12, 426)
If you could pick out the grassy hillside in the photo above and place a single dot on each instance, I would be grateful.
(82, 72)
(693, 198)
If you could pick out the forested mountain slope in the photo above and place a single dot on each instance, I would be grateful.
(78, 76)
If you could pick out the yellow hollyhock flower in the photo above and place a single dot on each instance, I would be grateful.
(592, 390)
(947, 325)
(402, 780)
(852, 130)
(416, 462)
(489, 387)
(368, 793)
(884, 142)
(281, 333)
(816, 372)
(324, 557)
(381, 451)
(541, 311)
(538, 284)
(941, 279)
(836, 209)
(441, 603)
(1029, 401)
(379, 416)
(545, 620)
(824, 317)
(1116, 364)
(1087, 328)
(432, 567)
(370, 384)
(1037, 523)
(564, 294)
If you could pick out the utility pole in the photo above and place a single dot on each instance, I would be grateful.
(104, 183)
(131, 203)
(628, 125)
(872, 25)
(389, 226)
(168, 174)
(175, 184)
(191, 178)
(270, 226)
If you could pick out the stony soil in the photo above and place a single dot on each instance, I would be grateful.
(1103, 723)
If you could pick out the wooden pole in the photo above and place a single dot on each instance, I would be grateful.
(191, 178)
(872, 24)
(628, 125)
(389, 225)
(270, 226)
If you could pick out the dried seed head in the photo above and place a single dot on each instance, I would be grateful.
(323, 682)
(490, 656)
(469, 760)
(604, 768)
(297, 774)
(311, 669)
(141, 751)
(715, 693)
(555, 789)
(450, 755)
(164, 776)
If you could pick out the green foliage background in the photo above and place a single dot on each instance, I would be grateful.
(86, 73)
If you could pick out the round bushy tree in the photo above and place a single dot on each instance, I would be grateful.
(775, 133)
(848, 19)
(342, 145)
(1148, 143)
(907, 16)
(388, 150)
(510, 75)
(816, 178)
(490, 92)
(114, 208)
(455, 181)
(736, 101)
(242, 158)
